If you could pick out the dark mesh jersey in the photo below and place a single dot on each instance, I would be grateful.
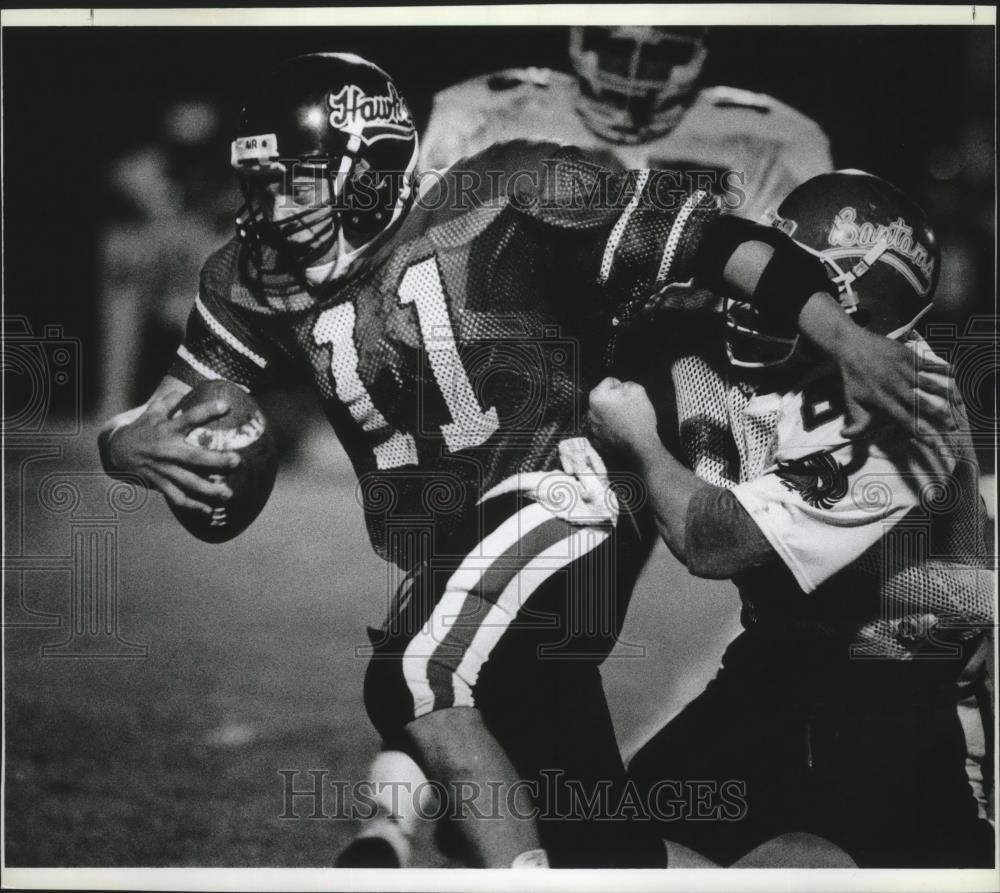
(461, 350)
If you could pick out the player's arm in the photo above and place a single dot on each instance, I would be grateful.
(635, 233)
(817, 514)
(703, 525)
(149, 441)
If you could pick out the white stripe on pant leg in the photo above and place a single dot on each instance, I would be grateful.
(419, 651)
(512, 599)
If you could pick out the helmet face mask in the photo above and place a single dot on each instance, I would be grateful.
(877, 246)
(750, 344)
(333, 128)
(635, 81)
(290, 213)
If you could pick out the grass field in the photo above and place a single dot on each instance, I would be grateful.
(172, 759)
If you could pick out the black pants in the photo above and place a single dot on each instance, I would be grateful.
(869, 754)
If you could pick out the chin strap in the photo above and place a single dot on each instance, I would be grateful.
(845, 280)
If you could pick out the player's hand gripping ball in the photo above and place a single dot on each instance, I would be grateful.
(243, 430)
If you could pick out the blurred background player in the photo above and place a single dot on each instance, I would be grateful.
(855, 702)
(634, 101)
(167, 205)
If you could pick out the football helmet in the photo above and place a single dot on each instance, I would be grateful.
(635, 82)
(878, 248)
(339, 119)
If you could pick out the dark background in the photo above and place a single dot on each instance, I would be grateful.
(913, 104)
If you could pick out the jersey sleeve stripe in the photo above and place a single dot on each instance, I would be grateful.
(676, 231)
(196, 364)
(228, 337)
(619, 228)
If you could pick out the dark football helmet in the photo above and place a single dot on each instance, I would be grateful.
(879, 250)
(340, 119)
(635, 81)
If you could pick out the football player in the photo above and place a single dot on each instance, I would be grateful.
(634, 101)
(865, 580)
(453, 342)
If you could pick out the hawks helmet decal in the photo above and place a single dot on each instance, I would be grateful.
(373, 117)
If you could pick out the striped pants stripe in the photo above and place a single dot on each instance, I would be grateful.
(531, 591)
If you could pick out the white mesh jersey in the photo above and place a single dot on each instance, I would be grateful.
(890, 555)
(771, 144)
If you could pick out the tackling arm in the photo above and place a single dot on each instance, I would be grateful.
(633, 234)
(703, 525)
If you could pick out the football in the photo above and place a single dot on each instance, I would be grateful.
(245, 431)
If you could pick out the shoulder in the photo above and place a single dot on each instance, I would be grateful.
(490, 174)
(516, 155)
(221, 271)
(480, 184)
(753, 112)
(501, 87)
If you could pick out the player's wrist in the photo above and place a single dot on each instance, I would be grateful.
(646, 452)
(109, 440)
(824, 324)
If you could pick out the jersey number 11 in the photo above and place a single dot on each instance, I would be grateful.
(470, 425)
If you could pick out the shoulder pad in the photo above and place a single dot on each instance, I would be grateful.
(221, 263)
(516, 77)
(734, 97)
(512, 155)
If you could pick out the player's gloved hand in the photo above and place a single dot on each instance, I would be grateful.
(622, 416)
(153, 447)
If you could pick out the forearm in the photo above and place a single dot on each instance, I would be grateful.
(763, 267)
(703, 526)
(670, 488)
(825, 324)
